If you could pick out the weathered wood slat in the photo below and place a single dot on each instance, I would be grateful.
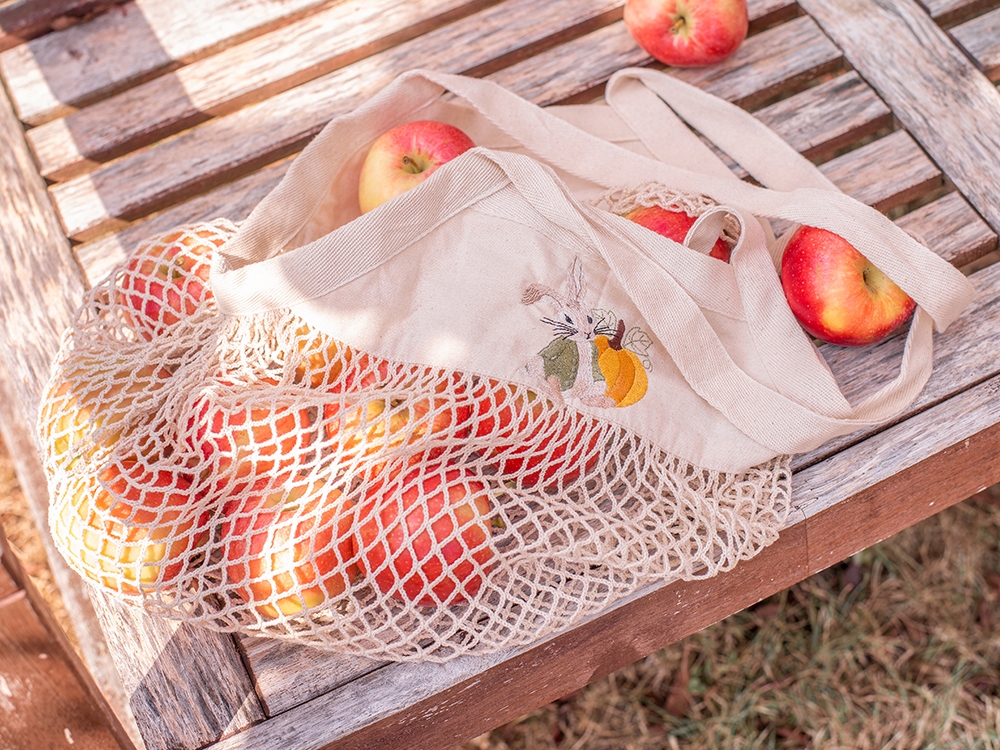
(948, 12)
(885, 173)
(42, 286)
(268, 64)
(287, 675)
(50, 76)
(782, 58)
(230, 146)
(22, 20)
(233, 201)
(577, 70)
(980, 37)
(947, 105)
(833, 114)
(839, 509)
(952, 229)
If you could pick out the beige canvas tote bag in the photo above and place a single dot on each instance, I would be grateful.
(484, 410)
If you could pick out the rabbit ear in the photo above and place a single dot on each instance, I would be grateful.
(536, 291)
(577, 283)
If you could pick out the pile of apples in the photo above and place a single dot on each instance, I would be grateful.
(380, 474)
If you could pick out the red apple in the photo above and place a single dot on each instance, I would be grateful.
(166, 279)
(687, 33)
(290, 550)
(674, 225)
(836, 293)
(424, 535)
(528, 440)
(405, 156)
(132, 528)
(247, 435)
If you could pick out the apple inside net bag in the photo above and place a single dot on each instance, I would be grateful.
(482, 410)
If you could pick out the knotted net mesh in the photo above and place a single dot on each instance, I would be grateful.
(254, 474)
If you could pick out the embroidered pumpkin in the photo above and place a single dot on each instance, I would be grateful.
(622, 370)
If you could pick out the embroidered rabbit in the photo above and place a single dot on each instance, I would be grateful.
(567, 367)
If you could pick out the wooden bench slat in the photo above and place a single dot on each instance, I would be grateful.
(947, 12)
(938, 85)
(780, 59)
(980, 38)
(104, 200)
(229, 146)
(833, 114)
(50, 76)
(577, 70)
(22, 20)
(885, 173)
(267, 64)
(952, 229)
(287, 674)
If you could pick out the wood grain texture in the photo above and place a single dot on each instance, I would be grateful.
(947, 105)
(577, 70)
(826, 117)
(42, 287)
(778, 60)
(267, 64)
(885, 173)
(234, 201)
(950, 12)
(980, 38)
(187, 686)
(233, 145)
(22, 20)
(951, 228)
(286, 674)
(50, 76)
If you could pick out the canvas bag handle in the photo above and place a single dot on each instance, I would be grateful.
(266, 231)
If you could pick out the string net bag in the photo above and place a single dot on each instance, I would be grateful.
(254, 474)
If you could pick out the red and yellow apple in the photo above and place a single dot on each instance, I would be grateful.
(132, 528)
(836, 293)
(166, 280)
(673, 225)
(246, 435)
(405, 156)
(90, 402)
(688, 33)
(290, 550)
(424, 535)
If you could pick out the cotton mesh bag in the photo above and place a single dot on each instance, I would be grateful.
(482, 411)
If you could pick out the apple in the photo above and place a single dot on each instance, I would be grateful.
(687, 33)
(249, 438)
(290, 550)
(321, 360)
(424, 535)
(89, 403)
(405, 156)
(674, 225)
(529, 440)
(836, 293)
(166, 280)
(133, 527)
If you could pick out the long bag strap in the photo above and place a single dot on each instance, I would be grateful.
(716, 378)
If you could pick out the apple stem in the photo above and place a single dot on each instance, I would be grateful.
(678, 25)
(411, 166)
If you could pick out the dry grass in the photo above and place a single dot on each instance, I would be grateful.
(894, 649)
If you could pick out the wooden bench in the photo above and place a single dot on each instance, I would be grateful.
(153, 114)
